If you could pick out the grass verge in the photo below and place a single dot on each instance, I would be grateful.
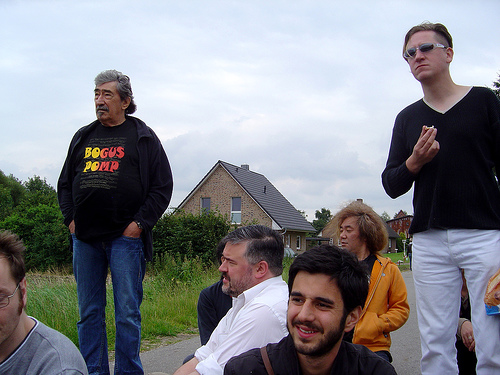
(171, 291)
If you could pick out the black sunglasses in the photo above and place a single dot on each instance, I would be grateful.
(426, 47)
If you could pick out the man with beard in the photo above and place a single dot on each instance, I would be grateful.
(28, 346)
(252, 264)
(328, 288)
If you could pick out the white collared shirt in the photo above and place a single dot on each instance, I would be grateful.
(258, 317)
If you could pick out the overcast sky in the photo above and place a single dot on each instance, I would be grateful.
(305, 92)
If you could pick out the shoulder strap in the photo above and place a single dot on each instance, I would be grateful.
(267, 362)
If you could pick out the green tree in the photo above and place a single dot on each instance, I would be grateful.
(11, 193)
(322, 218)
(496, 86)
(385, 216)
(38, 191)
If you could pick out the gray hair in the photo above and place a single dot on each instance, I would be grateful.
(263, 244)
(122, 85)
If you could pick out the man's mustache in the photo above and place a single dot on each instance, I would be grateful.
(102, 107)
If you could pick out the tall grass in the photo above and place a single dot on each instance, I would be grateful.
(171, 289)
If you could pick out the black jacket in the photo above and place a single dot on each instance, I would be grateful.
(156, 180)
(351, 359)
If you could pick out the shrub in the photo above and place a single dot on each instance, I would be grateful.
(189, 236)
(42, 230)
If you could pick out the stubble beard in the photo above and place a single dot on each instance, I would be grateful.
(236, 287)
(324, 345)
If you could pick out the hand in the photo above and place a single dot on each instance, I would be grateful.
(132, 230)
(424, 150)
(71, 227)
(468, 336)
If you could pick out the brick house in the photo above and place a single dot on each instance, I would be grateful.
(248, 198)
(401, 223)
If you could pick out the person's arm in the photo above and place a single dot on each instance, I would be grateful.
(396, 178)
(424, 150)
(399, 309)
(408, 153)
(160, 184)
(256, 327)
(188, 368)
(65, 187)
(467, 335)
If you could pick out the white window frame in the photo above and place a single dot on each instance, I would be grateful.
(234, 212)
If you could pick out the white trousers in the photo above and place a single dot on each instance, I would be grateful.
(438, 256)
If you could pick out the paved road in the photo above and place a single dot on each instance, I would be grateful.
(405, 346)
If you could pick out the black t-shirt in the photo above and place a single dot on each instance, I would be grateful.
(107, 187)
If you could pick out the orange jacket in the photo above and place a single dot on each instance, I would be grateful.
(386, 308)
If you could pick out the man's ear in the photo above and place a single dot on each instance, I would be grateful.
(126, 103)
(352, 318)
(449, 55)
(23, 290)
(261, 269)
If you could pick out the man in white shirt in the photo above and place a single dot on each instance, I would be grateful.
(252, 264)
(28, 346)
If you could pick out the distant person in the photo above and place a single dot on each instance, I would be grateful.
(213, 304)
(465, 344)
(363, 233)
(448, 145)
(328, 288)
(115, 184)
(252, 264)
(409, 252)
(28, 346)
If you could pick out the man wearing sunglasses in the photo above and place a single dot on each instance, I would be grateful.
(448, 145)
(28, 346)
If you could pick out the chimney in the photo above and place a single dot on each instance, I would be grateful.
(246, 167)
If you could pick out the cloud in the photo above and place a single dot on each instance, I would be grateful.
(304, 92)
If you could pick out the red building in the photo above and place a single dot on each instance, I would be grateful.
(401, 223)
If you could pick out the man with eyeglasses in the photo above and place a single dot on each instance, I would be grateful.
(28, 346)
(448, 144)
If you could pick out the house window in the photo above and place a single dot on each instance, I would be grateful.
(236, 210)
(288, 240)
(205, 205)
(298, 242)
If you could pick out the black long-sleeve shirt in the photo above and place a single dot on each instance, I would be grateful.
(458, 188)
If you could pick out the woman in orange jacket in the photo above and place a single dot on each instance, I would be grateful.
(361, 231)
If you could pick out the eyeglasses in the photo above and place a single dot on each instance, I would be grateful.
(4, 300)
(426, 47)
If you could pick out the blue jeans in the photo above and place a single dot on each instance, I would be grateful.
(125, 258)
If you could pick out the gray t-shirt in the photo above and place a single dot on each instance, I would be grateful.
(44, 351)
